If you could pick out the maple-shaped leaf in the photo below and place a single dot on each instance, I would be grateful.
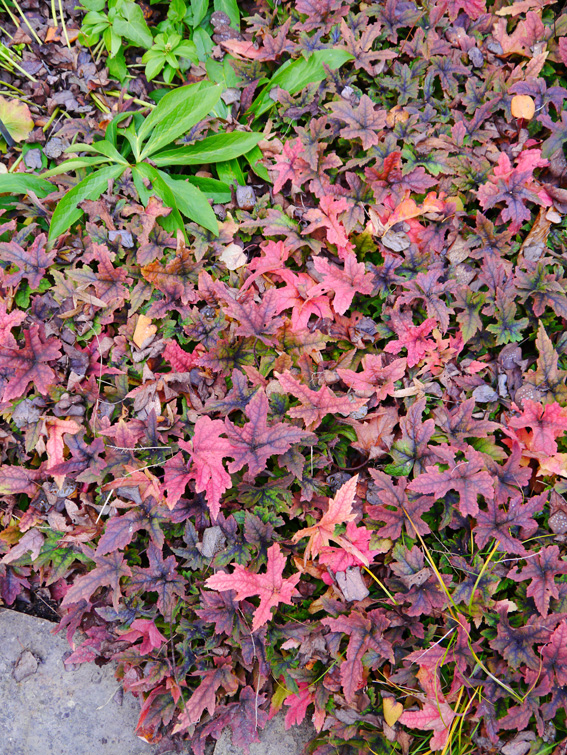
(204, 697)
(541, 570)
(207, 450)
(395, 508)
(436, 715)
(273, 260)
(495, 523)
(221, 610)
(458, 424)
(290, 165)
(244, 718)
(375, 378)
(411, 450)
(9, 320)
(256, 320)
(513, 186)
(109, 281)
(320, 12)
(315, 405)
(365, 632)
(301, 295)
(326, 215)
(509, 478)
(516, 644)
(31, 263)
(339, 512)
(554, 654)
(120, 530)
(109, 570)
(558, 134)
(236, 399)
(363, 121)
(547, 379)
(546, 422)
(468, 478)
(426, 287)
(162, 577)
(421, 586)
(413, 338)
(470, 302)
(29, 365)
(473, 8)
(360, 47)
(178, 278)
(256, 441)
(153, 240)
(145, 629)
(338, 559)
(85, 463)
(344, 283)
(272, 587)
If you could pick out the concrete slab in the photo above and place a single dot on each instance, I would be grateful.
(46, 710)
(275, 739)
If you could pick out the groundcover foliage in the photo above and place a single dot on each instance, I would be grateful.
(317, 461)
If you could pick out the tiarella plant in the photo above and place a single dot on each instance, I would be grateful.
(145, 147)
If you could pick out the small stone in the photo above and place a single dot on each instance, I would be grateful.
(125, 238)
(32, 159)
(245, 197)
(54, 148)
(351, 584)
(476, 57)
(26, 665)
(484, 393)
(213, 541)
(230, 96)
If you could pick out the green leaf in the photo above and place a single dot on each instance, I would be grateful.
(153, 67)
(218, 191)
(68, 212)
(22, 183)
(230, 7)
(199, 9)
(203, 44)
(296, 75)
(254, 157)
(133, 25)
(212, 149)
(231, 172)
(182, 197)
(192, 203)
(75, 163)
(176, 114)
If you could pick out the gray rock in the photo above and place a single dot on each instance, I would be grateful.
(275, 739)
(46, 710)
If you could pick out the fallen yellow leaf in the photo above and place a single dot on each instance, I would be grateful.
(144, 331)
(523, 107)
(392, 710)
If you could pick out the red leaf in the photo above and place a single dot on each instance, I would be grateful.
(365, 633)
(29, 365)
(31, 263)
(255, 442)
(109, 570)
(272, 588)
(542, 571)
(468, 478)
(315, 405)
(547, 423)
